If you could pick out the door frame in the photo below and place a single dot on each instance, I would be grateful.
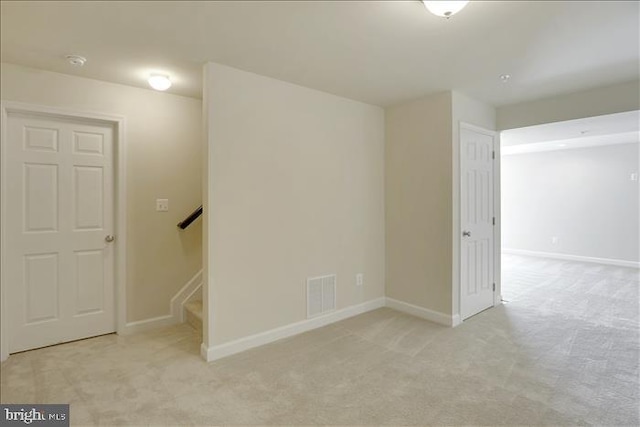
(457, 218)
(119, 197)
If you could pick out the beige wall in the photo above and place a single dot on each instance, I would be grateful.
(589, 103)
(163, 150)
(418, 200)
(472, 111)
(422, 191)
(295, 190)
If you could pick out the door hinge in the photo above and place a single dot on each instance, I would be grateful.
(494, 287)
(494, 220)
(493, 155)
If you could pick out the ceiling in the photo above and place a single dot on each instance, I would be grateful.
(619, 128)
(380, 52)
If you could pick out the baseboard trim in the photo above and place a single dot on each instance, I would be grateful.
(455, 320)
(148, 324)
(183, 295)
(175, 307)
(424, 313)
(227, 349)
(568, 257)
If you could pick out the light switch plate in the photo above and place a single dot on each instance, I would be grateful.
(162, 205)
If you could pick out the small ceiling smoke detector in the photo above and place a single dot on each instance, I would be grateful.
(76, 60)
(505, 77)
(159, 81)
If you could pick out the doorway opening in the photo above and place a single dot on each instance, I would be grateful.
(569, 212)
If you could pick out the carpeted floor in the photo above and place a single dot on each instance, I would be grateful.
(563, 351)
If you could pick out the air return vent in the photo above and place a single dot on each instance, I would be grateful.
(321, 295)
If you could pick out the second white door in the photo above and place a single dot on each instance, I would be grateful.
(59, 206)
(476, 220)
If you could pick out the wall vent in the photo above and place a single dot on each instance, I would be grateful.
(321, 295)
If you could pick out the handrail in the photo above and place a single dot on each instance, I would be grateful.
(188, 220)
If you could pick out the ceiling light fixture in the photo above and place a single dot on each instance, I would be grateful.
(445, 9)
(76, 60)
(159, 81)
(505, 77)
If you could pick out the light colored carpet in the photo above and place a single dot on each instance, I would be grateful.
(563, 351)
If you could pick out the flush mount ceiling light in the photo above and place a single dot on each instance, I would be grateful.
(159, 81)
(76, 60)
(445, 9)
(505, 77)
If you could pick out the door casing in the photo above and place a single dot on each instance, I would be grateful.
(457, 228)
(120, 224)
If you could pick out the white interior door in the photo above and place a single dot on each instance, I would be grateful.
(476, 220)
(59, 212)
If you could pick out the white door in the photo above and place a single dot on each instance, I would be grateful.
(476, 220)
(59, 212)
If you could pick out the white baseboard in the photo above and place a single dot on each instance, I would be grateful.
(424, 313)
(455, 320)
(568, 257)
(227, 349)
(148, 324)
(204, 351)
(183, 296)
(176, 310)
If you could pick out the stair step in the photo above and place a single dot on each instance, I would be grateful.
(195, 307)
(193, 312)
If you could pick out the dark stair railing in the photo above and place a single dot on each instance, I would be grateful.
(188, 220)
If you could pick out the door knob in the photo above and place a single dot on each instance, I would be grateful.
(466, 234)
(109, 238)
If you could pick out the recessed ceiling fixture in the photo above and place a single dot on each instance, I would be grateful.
(159, 81)
(445, 9)
(76, 60)
(505, 77)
